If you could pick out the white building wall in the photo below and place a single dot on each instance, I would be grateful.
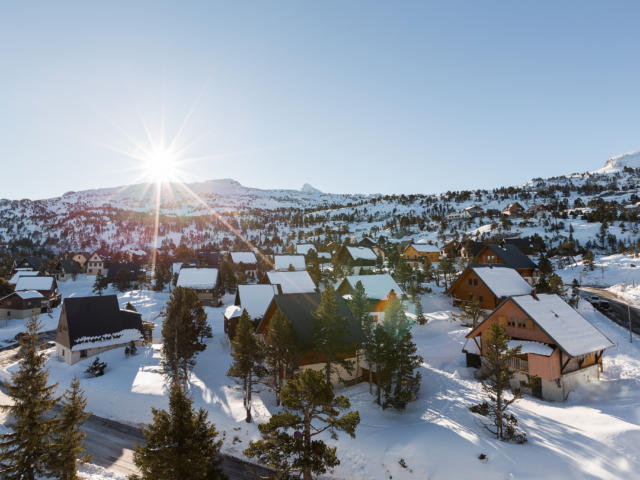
(66, 355)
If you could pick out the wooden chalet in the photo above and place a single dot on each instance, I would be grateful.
(21, 304)
(245, 261)
(510, 256)
(66, 269)
(378, 288)
(204, 281)
(298, 308)
(356, 257)
(490, 284)
(33, 263)
(289, 263)
(560, 349)
(514, 209)
(47, 286)
(91, 325)
(415, 252)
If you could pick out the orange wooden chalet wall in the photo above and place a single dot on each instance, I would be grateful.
(469, 286)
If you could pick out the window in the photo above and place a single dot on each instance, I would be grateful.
(470, 282)
(480, 298)
(522, 323)
(511, 322)
(475, 282)
(83, 354)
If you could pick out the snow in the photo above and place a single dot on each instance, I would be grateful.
(570, 330)
(198, 278)
(304, 248)
(256, 298)
(108, 339)
(175, 267)
(631, 293)
(531, 347)
(232, 311)
(282, 262)
(324, 255)
(292, 282)
(27, 294)
(22, 273)
(34, 283)
(425, 248)
(361, 253)
(617, 164)
(247, 258)
(375, 286)
(502, 281)
(593, 435)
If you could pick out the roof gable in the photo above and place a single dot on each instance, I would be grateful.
(292, 282)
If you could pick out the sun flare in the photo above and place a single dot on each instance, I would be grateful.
(161, 165)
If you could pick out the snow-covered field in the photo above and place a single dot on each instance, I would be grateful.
(594, 434)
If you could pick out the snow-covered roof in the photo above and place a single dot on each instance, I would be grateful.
(303, 248)
(292, 282)
(375, 286)
(34, 283)
(324, 255)
(232, 311)
(571, 331)
(529, 346)
(361, 253)
(256, 298)
(502, 281)
(22, 273)
(175, 268)
(424, 247)
(244, 257)
(198, 278)
(107, 339)
(25, 294)
(282, 262)
(470, 346)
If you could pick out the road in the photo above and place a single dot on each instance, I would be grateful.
(619, 308)
(111, 443)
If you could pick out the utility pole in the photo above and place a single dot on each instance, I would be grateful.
(629, 316)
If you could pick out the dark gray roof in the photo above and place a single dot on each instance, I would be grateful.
(95, 316)
(512, 256)
(299, 308)
(69, 266)
(114, 268)
(33, 262)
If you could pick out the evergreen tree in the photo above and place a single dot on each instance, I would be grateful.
(310, 408)
(100, 283)
(180, 444)
(329, 333)
(420, 316)
(556, 285)
(162, 277)
(497, 379)
(282, 352)
(588, 260)
(427, 269)
(471, 310)
(183, 332)
(25, 450)
(123, 279)
(397, 358)
(359, 306)
(247, 360)
(68, 448)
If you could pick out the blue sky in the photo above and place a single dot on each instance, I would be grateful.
(348, 96)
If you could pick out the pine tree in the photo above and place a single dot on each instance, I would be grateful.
(180, 444)
(100, 283)
(471, 310)
(397, 358)
(329, 333)
(183, 332)
(359, 306)
(25, 450)
(311, 408)
(247, 360)
(497, 381)
(68, 449)
(556, 285)
(282, 352)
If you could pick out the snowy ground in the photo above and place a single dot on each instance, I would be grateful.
(608, 270)
(594, 434)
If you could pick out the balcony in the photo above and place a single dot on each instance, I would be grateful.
(518, 364)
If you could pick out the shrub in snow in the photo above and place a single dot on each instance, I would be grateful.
(96, 369)
(131, 349)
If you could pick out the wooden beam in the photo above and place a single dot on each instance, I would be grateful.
(564, 365)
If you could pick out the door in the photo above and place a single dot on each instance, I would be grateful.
(536, 386)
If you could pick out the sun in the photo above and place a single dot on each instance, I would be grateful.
(161, 165)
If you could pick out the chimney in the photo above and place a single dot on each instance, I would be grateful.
(533, 293)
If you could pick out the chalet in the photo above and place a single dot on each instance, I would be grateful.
(366, 242)
(246, 261)
(304, 248)
(524, 244)
(324, 257)
(471, 248)
(472, 211)
(114, 270)
(378, 289)
(46, 286)
(415, 252)
(292, 282)
(490, 284)
(33, 263)
(94, 265)
(449, 247)
(254, 299)
(92, 325)
(208, 258)
(356, 257)
(66, 269)
(203, 281)
(511, 256)
(514, 209)
(560, 349)
(22, 273)
(21, 304)
(299, 309)
(288, 263)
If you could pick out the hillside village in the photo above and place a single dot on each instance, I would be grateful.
(450, 270)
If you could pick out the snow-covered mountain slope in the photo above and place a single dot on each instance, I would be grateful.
(619, 162)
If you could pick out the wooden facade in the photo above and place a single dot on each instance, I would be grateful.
(469, 286)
